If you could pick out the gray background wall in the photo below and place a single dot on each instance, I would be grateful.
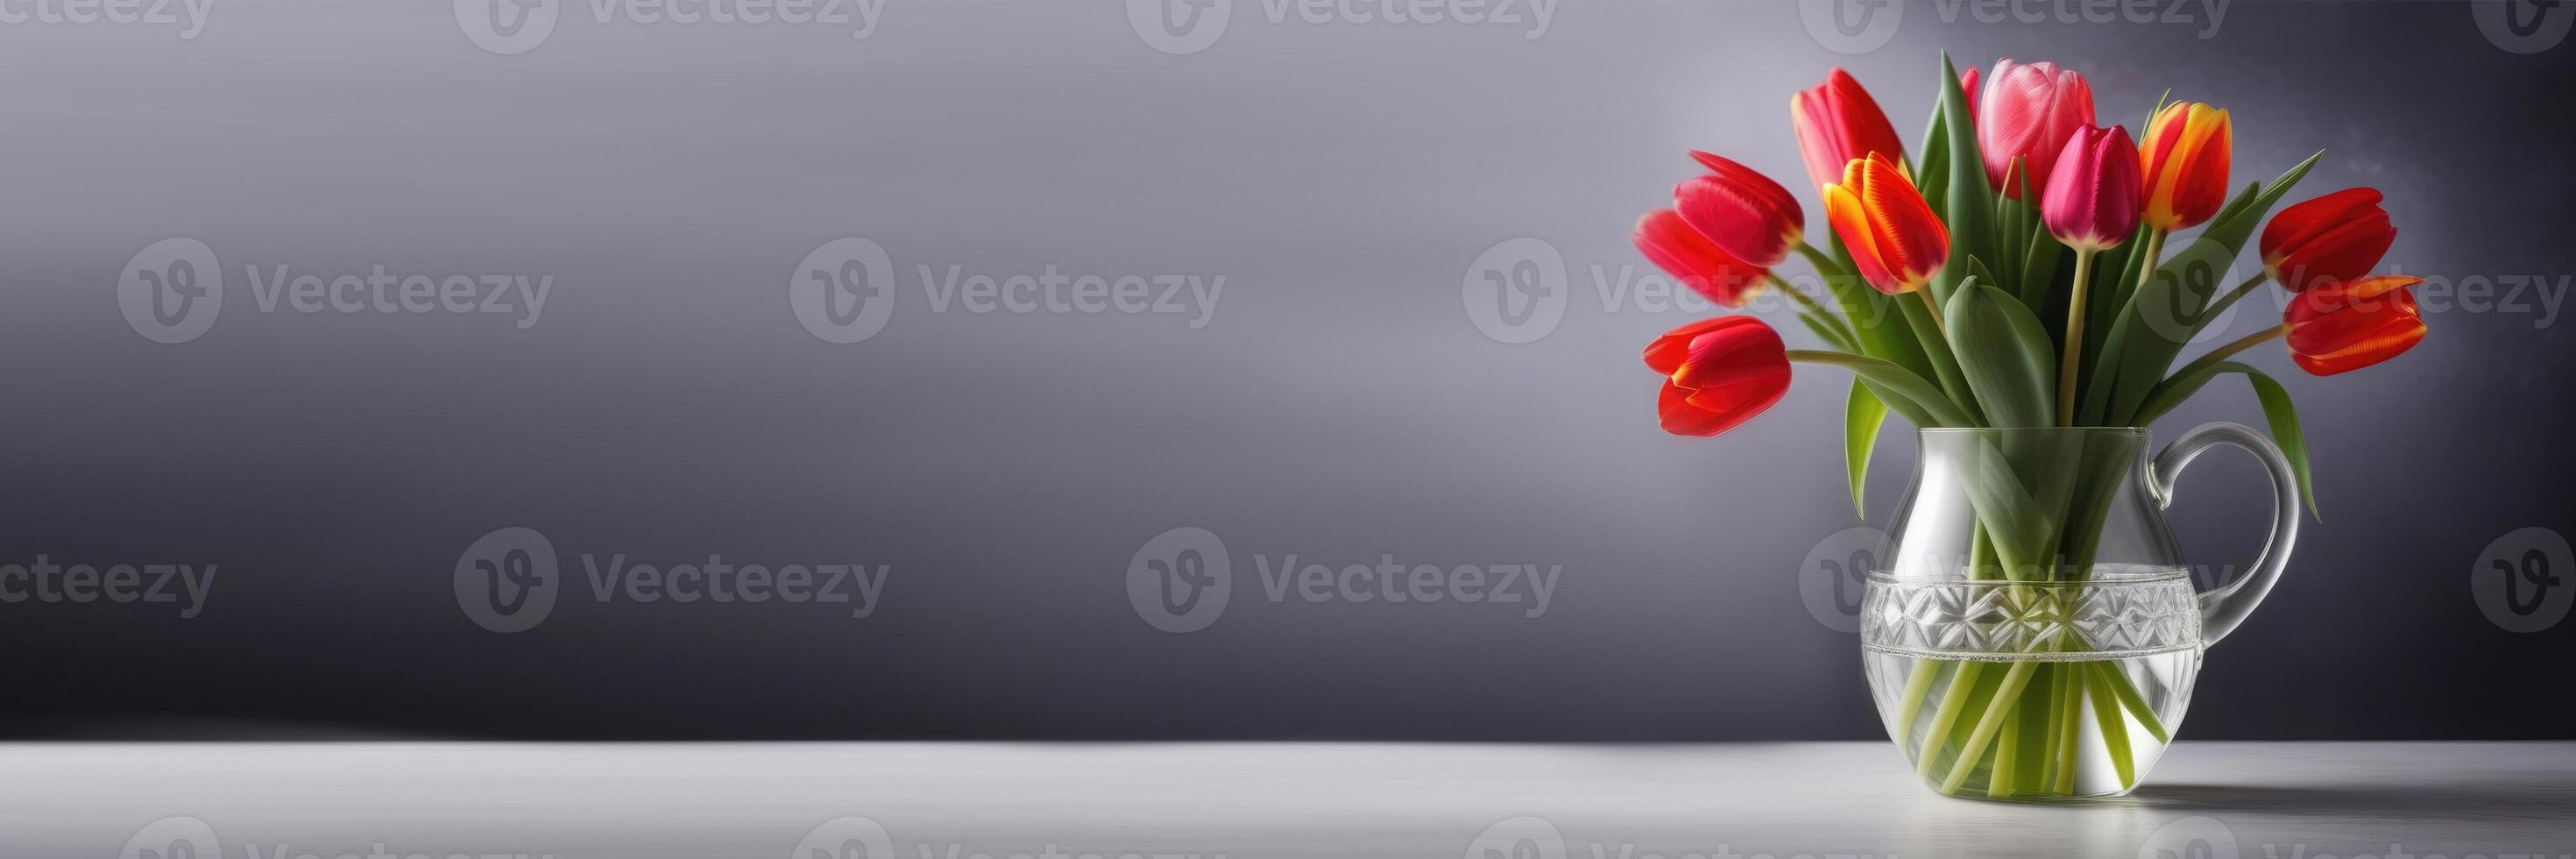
(1338, 404)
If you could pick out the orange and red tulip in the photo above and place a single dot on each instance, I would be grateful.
(1694, 260)
(1892, 235)
(2091, 201)
(1749, 216)
(2345, 326)
(1718, 373)
(1836, 122)
(2028, 112)
(2184, 162)
(2330, 239)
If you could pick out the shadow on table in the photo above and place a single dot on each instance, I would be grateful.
(2552, 800)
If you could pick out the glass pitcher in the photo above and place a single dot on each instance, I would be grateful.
(2033, 631)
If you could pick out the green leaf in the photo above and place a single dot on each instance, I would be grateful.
(1970, 214)
(2140, 352)
(1862, 415)
(1900, 388)
(1936, 162)
(2004, 353)
(2278, 411)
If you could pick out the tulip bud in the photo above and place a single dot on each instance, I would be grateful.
(2028, 112)
(1745, 213)
(1694, 260)
(1892, 235)
(2092, 198)
(1718, 373)
(2345, 326)
(2334, 238)
(1837, 122)
(2184, 165)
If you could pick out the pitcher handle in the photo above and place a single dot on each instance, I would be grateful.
(2221, 610)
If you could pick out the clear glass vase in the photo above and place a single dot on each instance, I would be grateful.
(2033, 631)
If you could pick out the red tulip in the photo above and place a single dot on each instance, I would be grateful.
(2333, 238)
(1838, 122)
(2184, 164)
(2029, 112)
(1892, 235)
(2345, 326)
(2092, 201)
(1694, 260)
(1718, 373)
(1741, 210)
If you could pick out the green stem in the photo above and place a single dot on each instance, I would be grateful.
(2074, 347)
(2127, 694)
(2221, 353)
(2147, 259)
(1991, 721)
(2070, 724)
(1963, 684)
(1811, 307)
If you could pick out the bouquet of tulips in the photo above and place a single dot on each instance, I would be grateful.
(2021, 267)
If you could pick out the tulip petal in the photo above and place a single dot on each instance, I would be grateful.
(1672, 245)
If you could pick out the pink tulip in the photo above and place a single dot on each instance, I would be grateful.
(2093, 197)
(2028, 112)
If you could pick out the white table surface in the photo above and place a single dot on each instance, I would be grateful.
(2290, 800)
